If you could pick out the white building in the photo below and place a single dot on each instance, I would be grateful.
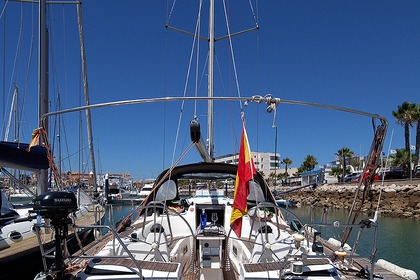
(265, 162)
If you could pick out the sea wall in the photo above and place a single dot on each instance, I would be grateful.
(400, 200)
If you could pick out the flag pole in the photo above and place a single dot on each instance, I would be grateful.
(251, 166)
(244, 174)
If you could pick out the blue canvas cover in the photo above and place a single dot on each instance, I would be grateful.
(14, 155)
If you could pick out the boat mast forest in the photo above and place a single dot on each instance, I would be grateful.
(44, 104)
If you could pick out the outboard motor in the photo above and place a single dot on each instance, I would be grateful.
(57, 206)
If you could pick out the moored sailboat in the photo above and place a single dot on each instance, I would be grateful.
(199, 236)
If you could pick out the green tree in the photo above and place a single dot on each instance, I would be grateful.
(355, 161)
(309, 163)
(401, 159)
(301, 169)
(272, 177)
(287, 162)
(344, 154)
(336, 171)
(405, 117)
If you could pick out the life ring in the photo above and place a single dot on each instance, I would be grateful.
(118, 196)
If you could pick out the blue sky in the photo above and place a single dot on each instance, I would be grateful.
(358, 54)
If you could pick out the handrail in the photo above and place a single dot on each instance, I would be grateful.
(268, 99)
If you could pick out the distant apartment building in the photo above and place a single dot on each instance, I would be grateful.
(74, 178)
(265, 162)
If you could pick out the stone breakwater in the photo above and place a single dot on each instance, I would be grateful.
(401, 200)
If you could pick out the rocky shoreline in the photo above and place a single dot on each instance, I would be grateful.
(398, 199)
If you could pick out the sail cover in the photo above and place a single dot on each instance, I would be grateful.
(15, 155)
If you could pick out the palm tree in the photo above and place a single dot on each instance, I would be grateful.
(401, 159)
(355, 161)
(344, 153)
(287, 162)
(336, 171)
(301, 169)
(404, 117)
(309, 163)
(272, 177)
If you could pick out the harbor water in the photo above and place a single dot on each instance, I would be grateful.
(398, 239)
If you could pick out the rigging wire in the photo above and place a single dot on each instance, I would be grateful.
(196, 37)
(198, 28)
(231, 52)
(4, 9)
(14, 76)
(229, 36)
(56, 86)
(383, 177)
(15, 62)
(197, 44)
(254, 14)
(194, 44)
(3, 116)
(165, 84)
(169, 15)
(25, 90)
(19, 55)
(367, 176)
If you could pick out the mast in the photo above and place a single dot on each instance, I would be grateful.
(86, 91)
(42, 84)
(210, 132)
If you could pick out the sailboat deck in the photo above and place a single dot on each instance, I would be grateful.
(15, 251)
(149, 265)
(264, 266)
(31, 244)
(188, 273)
(329, 249)
(360, 263)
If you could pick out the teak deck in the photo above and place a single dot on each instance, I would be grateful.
(231, 273)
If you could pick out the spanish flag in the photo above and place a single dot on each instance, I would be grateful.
(246, 171)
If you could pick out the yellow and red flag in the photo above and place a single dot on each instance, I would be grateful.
(246, 171)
